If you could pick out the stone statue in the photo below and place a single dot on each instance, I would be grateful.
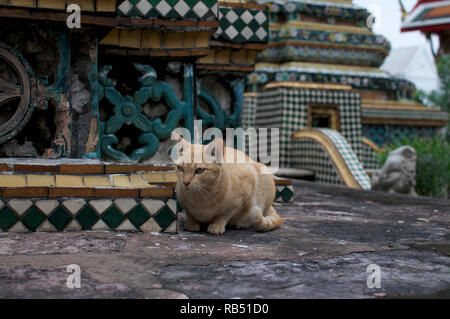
(398, 174)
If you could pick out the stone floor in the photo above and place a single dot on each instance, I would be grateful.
(330, 236)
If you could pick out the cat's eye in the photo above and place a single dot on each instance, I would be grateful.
(180, 168)
(199, 170)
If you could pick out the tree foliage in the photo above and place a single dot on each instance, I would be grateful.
(441, 97)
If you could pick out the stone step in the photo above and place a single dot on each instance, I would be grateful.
(72, 195)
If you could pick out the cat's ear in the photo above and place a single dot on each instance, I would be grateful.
(215, 150)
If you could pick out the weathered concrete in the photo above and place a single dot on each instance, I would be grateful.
(330, 236)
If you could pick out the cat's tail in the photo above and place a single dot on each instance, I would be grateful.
(271, 220)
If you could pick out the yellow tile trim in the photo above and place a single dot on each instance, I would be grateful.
(307, 85)
(202, 39)
(189, 40)
(86, 5)
(106, 5)
(122, 181)
(397, 105)
(326, 27)
(371, 144)
(52, 4)
(319, 66)
(343, 45)
(342, 168)
(112, 38)
(146, 39)
(41, 180)
(138, 181)
(251, 94)
(170, 177)
(251, 56)
(151, 40)
(12, 180)
(69, 181)
(239, 57)
(130, 38)
(274, 26)
(23, 3)
(209, 59)
(173, 40)
(97, 181)
(223, 57)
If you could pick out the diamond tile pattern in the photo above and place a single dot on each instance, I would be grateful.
(182, 9)
(138, 216)
(243, 25)
(113, 217)
(285, 194)
(7, 218)
(165, 217)
(60, 218)
(87, 217)
(126, 214)
(33, 218)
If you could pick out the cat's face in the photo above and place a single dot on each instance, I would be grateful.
(197, 177)
(194, 174)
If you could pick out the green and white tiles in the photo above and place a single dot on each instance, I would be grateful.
(311, 155)
(284, 194)
(369, 158)
(308, 154)
(123, 214)
(287, 108)
(243, 25)
(248, 111)
(349, 157)
(183, 9)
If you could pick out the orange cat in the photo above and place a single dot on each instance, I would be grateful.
(221, 193)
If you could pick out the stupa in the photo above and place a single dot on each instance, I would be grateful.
(320, 82)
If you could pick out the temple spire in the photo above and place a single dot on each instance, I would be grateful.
(402, 7)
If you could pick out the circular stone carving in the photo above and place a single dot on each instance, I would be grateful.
(17, 92)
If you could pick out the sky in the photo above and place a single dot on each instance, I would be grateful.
(388, 21)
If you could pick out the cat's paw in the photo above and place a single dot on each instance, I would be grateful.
(216, 229)
(191, 225)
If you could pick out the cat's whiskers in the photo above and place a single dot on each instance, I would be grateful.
(202, 191)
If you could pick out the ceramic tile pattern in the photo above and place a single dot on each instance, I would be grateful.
(284, 194)
(243, 25)
(186, 9)
(349, 157)
(85, 215)
(310, 155)
(135, 181)
(287, 108)
(384, 134)
(369, 158)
